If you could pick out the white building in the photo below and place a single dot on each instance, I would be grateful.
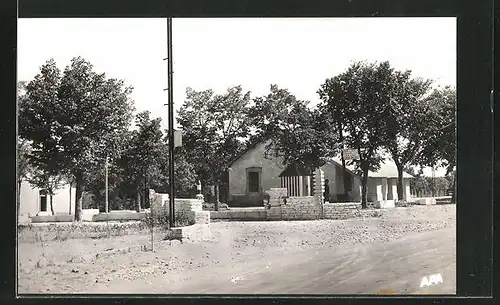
(35, 201)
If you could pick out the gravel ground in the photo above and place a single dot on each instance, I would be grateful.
(91, 265)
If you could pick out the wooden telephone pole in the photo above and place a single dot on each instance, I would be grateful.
(170, 125)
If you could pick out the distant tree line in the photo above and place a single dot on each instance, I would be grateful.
(71, 121)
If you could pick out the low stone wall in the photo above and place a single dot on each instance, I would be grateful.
(190, 210)
(310, 208)
(342, 210)
(52, 218)
(282, 207)
(301, 208)
(88, 214)
(260, 214)
(306, 208)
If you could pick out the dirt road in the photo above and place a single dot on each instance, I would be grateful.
(390, 253)
(397, 266)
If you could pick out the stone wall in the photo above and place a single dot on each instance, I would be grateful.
(342, 210)
(188, 210)
(301, 208)
(258, 214)
(52, 218)
(310, 207)
(282, 207)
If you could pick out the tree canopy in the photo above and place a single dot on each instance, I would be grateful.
(214, 130)
(74, 119)
(357, 99)
(298, 133)
(407, 118)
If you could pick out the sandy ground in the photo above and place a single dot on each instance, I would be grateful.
(352, 256)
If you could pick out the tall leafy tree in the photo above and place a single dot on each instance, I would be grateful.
(144, 156)
(24, 168)
(298, 133)
(268, 113)
(363, 90)
(185, 177)
(441, 146)
(408, 121)
(75, 119)
(214, 129)
(96, 186)
(23, 151)
(334, 92)
(39, 149)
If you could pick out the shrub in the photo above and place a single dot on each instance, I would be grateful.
(42, 234)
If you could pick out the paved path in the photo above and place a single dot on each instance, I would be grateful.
(395, 267)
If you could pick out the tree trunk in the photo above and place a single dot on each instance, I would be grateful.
(79, 198)
(364, 192)
(146, 193)
(51, 205)
(70, 187)
(344, 170)
(216, 193)
(138, 201)
(204, 191)
(400, 182)
(19, 183)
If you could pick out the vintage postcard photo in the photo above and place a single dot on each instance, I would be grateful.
(236, 156)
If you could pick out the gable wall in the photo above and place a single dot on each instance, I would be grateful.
(271, 168)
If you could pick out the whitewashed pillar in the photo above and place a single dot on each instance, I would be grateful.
(319, 185)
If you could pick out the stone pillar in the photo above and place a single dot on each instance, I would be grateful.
(319, 185)
(158, 203)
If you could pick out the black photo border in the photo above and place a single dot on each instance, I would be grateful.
(475, 131)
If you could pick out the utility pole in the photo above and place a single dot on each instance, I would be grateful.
(170, 124)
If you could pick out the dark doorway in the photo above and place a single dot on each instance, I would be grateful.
(43, 201)
(253, 182)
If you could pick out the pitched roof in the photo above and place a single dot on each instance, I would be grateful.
(294, 170)
(387, 169)
(249, 148)
(438, 171)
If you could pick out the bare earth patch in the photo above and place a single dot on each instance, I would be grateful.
(119, 263)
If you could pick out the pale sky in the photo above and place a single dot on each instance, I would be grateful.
(295, 53)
